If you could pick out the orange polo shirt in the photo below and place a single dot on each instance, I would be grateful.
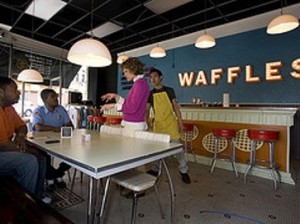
(9, 122)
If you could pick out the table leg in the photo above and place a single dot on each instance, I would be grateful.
(171, 191)
(91, 201)
(103, 200)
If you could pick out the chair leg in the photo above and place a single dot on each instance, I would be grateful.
(272, 164)
(159, 202)
(134, 206)
(214, 160)
(69, 176)
(252, 159)
(233, 158)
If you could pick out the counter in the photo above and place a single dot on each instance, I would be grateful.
(205, 119)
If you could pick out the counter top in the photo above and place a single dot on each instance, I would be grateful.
(242, 107)
(243, 115)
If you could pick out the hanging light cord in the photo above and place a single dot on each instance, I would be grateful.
(205, 16)
(32, 33)
(92, 17)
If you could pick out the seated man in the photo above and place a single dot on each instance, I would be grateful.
(22, 163)
(51, 117)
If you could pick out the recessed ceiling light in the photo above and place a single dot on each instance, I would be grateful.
(105, 29)
(159, 6)
(45, 9)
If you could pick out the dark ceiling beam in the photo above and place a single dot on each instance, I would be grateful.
(194, 25)
(173, 22)
(216, 7)
(81, 18)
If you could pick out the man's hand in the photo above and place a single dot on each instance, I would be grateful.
(19, 141)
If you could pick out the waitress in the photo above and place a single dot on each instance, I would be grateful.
(134, 106)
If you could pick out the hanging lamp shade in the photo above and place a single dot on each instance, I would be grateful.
(122, 58)
(205, 41)
(157, 52)
(89, 52)
(283, 23)
(30, 75)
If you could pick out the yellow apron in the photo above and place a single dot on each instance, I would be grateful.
(164, 118)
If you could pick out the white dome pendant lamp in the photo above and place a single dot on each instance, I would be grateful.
(205, 41)
(282, 23)
(121, 58)
(89, 51)
(30, 75)
(157, 52)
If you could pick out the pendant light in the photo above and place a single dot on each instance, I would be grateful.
(157, 52)
(206, 40)
(282, 23)
(121, 58)
(29, 75)
(89, 51)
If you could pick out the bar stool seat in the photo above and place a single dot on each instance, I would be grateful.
(90, 122)
(115, 121)
(269, 136)
(98, 121)
(228, 134)
(187, 132)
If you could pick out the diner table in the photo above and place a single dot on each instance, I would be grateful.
(104, 155)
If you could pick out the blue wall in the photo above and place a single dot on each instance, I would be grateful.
(254, 48)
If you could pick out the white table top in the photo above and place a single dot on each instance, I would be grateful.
(105, 154)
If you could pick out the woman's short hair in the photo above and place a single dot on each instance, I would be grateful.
(134, 65)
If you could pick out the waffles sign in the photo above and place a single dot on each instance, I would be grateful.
(272, 74)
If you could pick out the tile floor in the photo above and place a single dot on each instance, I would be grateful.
(217, 198)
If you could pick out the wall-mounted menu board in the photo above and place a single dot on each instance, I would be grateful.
(48, 67)
(23, 60)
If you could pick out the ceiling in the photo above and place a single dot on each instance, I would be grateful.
(136, 23)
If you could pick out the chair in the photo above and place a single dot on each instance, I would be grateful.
(152, 136)
(136, 180)
(187, 137)
(228, 134)
(111, 130)
(269, 136)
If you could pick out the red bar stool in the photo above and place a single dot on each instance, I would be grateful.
(269, 136)
(98, 121)
(115, 120)
(228, 134)
(90, 122)
(187, 133)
